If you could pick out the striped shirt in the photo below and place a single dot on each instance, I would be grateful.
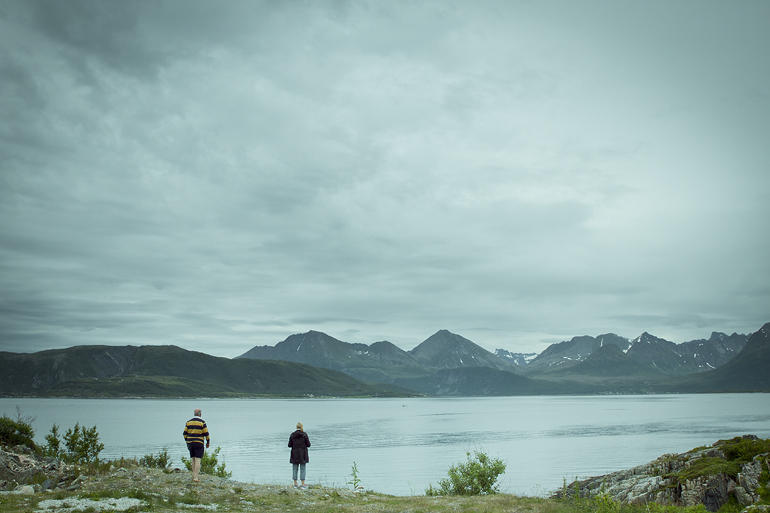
(195, 430)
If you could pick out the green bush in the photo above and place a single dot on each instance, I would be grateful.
(210, 464)
(161, 461)
(16, 432)
(743, 450)
(476, 476)
(603, 503)
(82, 445)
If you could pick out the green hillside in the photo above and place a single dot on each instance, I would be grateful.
(169, 371)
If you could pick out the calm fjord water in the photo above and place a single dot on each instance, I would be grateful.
(400, 446)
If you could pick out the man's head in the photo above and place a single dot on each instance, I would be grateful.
(197, 412)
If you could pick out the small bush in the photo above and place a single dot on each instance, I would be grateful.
(603, 503)
(17, 432)
(743, 450)
(210, 464)
(161, 461)
(476, 476)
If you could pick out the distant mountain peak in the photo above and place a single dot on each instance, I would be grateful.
(517, 358)
(447, 350)
(647, 338)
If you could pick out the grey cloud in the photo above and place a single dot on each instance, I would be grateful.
(221, 178)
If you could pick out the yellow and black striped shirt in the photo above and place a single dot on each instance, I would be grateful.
(195, 430)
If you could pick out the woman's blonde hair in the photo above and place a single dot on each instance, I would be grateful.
(300, 426)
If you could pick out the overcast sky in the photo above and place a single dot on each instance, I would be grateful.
(220, 175)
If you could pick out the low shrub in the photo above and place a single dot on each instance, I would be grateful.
(476, 476)
(743, 450)
(161, 461)
(18, 431)
(210, 464)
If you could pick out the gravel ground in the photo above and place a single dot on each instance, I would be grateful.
(71, 505)
(134, 489)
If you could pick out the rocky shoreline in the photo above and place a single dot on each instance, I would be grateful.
(129, 489)
(665, 481)
(669, 480)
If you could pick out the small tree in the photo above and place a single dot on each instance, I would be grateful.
(474, 477)
(82, 444)
(53, 445)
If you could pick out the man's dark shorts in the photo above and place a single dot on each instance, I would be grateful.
(196, 450)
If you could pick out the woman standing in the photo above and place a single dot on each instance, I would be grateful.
(299, 442)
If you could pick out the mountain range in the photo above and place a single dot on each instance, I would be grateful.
(449, 364)
(381, 361)
(445, 364)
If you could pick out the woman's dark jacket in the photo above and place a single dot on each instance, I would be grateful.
(299, 442)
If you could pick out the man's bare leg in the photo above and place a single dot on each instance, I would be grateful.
(196, 467)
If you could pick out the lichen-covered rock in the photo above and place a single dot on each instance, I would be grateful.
(749, 479)
(663, 481)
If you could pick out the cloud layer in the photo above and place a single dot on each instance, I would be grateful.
(222, 176)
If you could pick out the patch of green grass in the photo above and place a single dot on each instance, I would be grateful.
(100, 467)
(191, 497)
(764, 485)
(736, 450)
(743, 450)
(605, 504)
(707, 467)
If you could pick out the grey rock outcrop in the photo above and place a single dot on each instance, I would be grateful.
(20, 466)
(662, 481)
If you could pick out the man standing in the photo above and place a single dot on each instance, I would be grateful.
(194, 432)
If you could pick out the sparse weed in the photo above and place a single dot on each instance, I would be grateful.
(354, 480)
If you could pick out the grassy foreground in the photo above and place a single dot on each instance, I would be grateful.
(157, 491)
